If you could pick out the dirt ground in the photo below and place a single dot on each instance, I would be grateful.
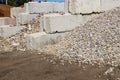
(28, 65)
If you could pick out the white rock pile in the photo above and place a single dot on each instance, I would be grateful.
(98, 41)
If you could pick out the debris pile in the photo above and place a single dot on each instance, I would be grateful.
(97, 42)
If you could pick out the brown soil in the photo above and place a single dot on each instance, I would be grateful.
(4, 10)
(27, 65)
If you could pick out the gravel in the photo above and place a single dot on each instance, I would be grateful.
(97, 42)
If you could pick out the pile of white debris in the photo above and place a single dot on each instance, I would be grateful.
(97, 42)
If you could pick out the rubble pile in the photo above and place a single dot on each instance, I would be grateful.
(17, 42)
(97, 42)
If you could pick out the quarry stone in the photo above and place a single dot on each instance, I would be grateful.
(52, 23)
(15, 11)
(25, 18)
(41, 39)
(3, 20)
(7, 31)
(44, 7)
(87, 6)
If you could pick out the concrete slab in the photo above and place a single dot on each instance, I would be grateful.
(4, 21)
(7, 31)
(25, 18)
(34, 7)
(40, 40)
(44, 7)
(7, 21)
(109, 4)
(58, 7)
(88, 6)
(52, 23)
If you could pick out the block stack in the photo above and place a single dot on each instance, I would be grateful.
(77, 12)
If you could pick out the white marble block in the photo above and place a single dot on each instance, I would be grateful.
(52, 23)
(7, 31)
(41, 39)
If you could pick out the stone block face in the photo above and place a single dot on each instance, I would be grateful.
(34, 7)
(7, 21)
(89, 6)
(58, 7)
(15, 11)
(7, 31)
(83, 6)
(44, 7)
(109, 4)
(25, 18)
(66, 6)
(52, 23)
(4, 21)
(40, 40)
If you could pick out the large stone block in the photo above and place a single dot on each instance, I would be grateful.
(89, 6)
(40, 40)
(109, 4)
(66, 6)
(83, 6)
(52, 23)
(58, 7)
(34, 7)
(25, 18)
(44, 7)
(15, 11)
(4, 21)
(7, 31)
(7, 21)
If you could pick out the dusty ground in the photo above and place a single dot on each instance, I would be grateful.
(27, 65)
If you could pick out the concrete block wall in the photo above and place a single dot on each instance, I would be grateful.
(54, 26)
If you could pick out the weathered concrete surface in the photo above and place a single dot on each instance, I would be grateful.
(66, 6)
(40, 40)
(15, 11)
(89, 6)
(58, 7)
(34, 7)
(7, 31)
(7, 21)
(25, 18)
(44, 7)
(109, 4)
(52, 23)
(3, 20)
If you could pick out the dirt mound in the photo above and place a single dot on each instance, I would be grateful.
(30, 65)
(98, 41)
